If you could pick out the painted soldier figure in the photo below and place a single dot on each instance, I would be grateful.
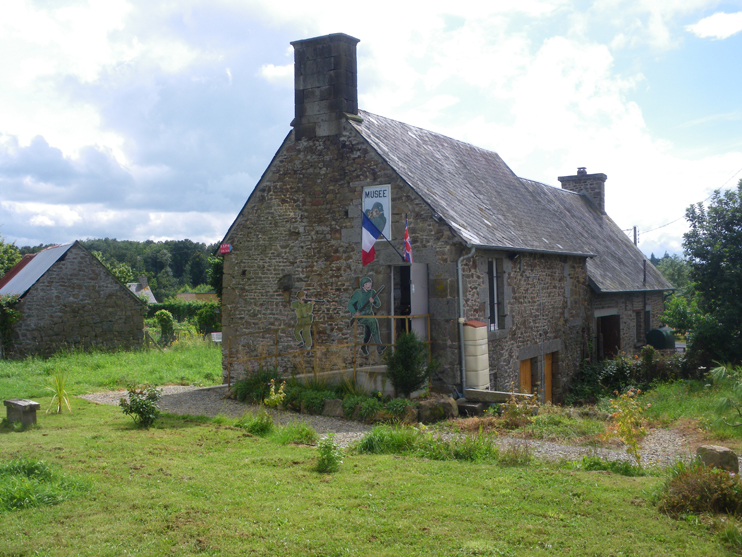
(304, 318)
(361, 304)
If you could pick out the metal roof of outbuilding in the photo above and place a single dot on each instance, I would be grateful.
(31, 271)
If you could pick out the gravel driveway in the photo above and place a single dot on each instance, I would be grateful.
(660, 446)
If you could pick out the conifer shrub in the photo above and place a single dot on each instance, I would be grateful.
(408, 367)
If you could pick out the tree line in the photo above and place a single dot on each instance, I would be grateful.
(171, 266)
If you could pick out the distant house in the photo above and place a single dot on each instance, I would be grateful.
(553, 279)
(141, 288)
(68, 299)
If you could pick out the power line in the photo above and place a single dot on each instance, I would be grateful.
(704, 201)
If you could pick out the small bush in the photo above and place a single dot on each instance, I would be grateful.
(369, 407)
(397, 406)
(407, 365)
(295, 432)
(256, 386)
(142, 404)
(517, 454)
(330, 455)
(314, 401)
(165, 322)
(260, 424)
(694, 489)
(350, 403)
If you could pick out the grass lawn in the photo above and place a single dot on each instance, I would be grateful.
(200, 486)
(190, 486)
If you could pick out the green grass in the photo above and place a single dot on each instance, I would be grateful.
(192, 486)
(691, 401)
(186, 363)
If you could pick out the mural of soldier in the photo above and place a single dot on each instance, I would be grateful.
(304, 318)
(376, 214)
(362, 304)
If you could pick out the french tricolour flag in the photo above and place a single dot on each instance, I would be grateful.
(370, 234)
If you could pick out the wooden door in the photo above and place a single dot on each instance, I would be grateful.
(525, 376)
(547, 377)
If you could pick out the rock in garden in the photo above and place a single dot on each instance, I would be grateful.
(718, 457)
(333, 408)
(437, 409)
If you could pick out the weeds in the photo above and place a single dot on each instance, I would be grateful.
(260, 424)
(295, 432)
(595, 463)
(26, 483)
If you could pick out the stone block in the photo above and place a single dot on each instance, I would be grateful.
(22, 410)
(719, 457)
(437, 409)
(467, 408)
(333, 408)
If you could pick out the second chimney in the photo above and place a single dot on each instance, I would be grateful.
(591, 185)
(325, 84)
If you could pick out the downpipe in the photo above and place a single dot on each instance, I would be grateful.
(461, 315)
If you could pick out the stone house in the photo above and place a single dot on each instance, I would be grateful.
(545, 270)
(69, 299)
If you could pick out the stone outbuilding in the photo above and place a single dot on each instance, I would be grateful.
(552, 278)
(69, 299)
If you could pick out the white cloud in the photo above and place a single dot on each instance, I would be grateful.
(281, 75)
(718, 26)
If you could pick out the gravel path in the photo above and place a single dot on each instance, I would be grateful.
(660, 446)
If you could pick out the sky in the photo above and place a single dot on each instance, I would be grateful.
(141, 120)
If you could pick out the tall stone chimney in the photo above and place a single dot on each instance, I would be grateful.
(325, 84)
(591, 185)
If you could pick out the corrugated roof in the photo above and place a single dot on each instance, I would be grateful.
(487, 205)
(15, 269)
(33, 270)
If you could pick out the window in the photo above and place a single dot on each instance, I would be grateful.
(638, 336)
(496, 306)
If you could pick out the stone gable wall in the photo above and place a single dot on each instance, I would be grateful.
(302, 227)
(77, 303)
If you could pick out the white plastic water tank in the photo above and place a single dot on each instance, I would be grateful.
(476, 355)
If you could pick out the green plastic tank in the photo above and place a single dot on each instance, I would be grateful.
(661, 339)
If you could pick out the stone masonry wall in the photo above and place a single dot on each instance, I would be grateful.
(301, 231)
(546, 300)
(77, 303)
(627, 305)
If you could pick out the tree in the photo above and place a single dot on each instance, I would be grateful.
(9, 256)
(215, 272)
(408, 368)
(713, 247)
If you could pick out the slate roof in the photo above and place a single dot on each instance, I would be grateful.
(488, 206)
(32, 270)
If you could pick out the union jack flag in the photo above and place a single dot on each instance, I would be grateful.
(407, 245)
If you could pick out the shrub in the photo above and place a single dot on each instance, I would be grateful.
(627, 422)
(255, 387)
(397, 406)
(694, 489)
(330, 455)
(165, 322)
(293, 391)
(408, 368)
(142, 404)
(275, 398)
(369, 407)
(209, 319)
(260, 424)
(350, 403)
(314, 401)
